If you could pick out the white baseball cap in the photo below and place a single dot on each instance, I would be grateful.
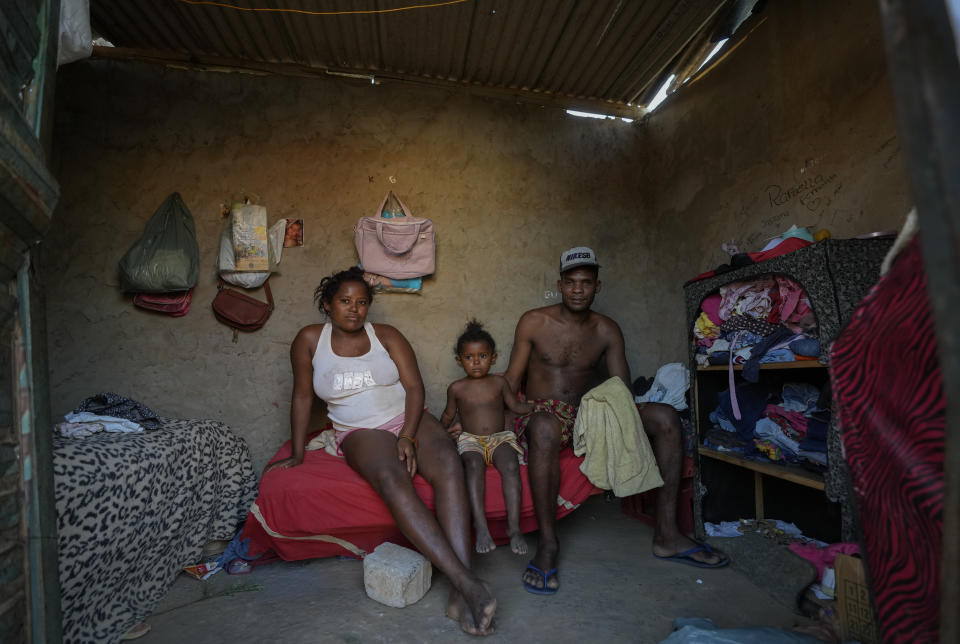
(576, 257)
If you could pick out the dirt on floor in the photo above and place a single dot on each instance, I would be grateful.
(612, 590)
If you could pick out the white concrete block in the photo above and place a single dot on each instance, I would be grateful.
(396, 576)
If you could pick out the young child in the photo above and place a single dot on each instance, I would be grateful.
(480, 399)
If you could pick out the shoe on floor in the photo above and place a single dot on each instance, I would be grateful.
(139, 630)
(686, 557)
(239, 567)
(544, 589)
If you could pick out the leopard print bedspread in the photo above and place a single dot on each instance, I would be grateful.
(134, 509)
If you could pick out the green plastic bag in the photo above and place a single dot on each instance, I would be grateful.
(166, 257)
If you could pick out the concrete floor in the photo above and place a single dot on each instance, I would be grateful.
(611, 589)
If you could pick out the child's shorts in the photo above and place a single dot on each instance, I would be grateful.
(487, 445)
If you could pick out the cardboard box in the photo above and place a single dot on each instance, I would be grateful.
(857, 619)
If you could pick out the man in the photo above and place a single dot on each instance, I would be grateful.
(559, 352)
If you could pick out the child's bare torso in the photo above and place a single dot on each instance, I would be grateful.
(480, 402)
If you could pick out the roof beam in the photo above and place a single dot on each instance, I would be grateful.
(237, 65)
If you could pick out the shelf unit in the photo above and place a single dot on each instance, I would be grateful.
(786, 472)
(835, 274)
(790, 473)
(771, 366)
(731, 490)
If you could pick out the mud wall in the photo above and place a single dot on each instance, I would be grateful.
(794, 126)
(508, 186)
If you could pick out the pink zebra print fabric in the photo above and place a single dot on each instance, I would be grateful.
(888, 392)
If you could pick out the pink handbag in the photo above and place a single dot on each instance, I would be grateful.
(399, 247)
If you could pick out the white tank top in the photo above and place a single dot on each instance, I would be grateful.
(360, 392)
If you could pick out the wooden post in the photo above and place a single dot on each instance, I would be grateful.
(925, 77)
(758, 495)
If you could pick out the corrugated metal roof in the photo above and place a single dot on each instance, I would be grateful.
(599, 54)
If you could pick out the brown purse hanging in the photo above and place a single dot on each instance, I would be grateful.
(239, 311)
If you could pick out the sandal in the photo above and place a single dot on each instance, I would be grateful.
(538, 589)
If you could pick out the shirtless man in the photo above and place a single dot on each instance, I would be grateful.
(563, 350)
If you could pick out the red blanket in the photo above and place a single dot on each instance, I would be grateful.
(323, 508)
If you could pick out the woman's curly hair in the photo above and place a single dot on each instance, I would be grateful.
(331, 284)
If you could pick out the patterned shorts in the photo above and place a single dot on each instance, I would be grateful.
(561, 410)
(487, 445)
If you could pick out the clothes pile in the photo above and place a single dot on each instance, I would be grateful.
(107, 412)
(751, 322)
(786, 424)
(669, 387)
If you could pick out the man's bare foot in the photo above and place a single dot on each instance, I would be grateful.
(476, 616)
(545, 560)
(666, 547)
(484, 541)
(518, 544)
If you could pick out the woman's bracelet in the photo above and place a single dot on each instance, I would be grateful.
(409, 438)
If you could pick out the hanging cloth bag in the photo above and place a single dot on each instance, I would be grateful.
(166, 257)
(400, 246)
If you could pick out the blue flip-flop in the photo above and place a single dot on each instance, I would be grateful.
(540, 590)
(685, 558)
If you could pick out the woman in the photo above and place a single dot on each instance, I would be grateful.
(368, 376)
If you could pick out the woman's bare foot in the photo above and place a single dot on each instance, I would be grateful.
(457, 611)
(483, 605)
(476, 615)
(518, 544)
(484, 541)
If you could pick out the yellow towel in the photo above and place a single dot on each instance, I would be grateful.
(609, 431)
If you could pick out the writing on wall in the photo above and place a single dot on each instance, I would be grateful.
(890, 148)
(813, 193)
(803, 201)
